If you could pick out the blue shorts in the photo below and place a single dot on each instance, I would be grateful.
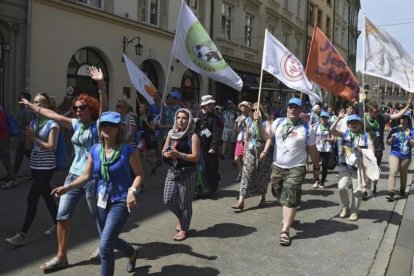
(69, 200)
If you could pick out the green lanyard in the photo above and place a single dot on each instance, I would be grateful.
(39, 126)
(287, 128)
(106, 163)
(353, 138)
(373, 123)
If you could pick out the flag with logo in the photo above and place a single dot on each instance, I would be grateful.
(278, 61)
(328, 69)
(386, 58)
(195, 49)
(140, 81)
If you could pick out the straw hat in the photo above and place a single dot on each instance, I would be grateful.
(207, 99)
(245, 103)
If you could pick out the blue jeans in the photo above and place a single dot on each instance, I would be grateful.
(110, 223)
(68, 201)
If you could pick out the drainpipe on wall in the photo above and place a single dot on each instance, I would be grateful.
(306, 32)
(28, 42)
(210, 82)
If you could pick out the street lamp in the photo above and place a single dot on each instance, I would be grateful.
(138, 46)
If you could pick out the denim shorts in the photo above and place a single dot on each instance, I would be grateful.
(69, 200)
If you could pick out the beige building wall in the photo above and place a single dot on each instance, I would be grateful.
(71, 27)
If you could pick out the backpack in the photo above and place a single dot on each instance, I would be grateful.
(60, 151)
(12, 125)
(306, 125)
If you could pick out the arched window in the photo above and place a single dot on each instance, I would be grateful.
(190, 86)
(78, 79)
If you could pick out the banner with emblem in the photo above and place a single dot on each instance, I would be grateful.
(327, 68)
(386, 58)
(195, 49)
(140, 81)
(278, 61)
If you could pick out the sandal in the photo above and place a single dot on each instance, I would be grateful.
(54, 263)
(178, 227)
(133, 260)
(182, 235)
(285, 241)
(95, 255)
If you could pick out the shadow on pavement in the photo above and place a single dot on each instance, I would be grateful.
(316, 203)
(184, 270)
(156, 250)
(224, 230)
(320, 228)
(379, 216)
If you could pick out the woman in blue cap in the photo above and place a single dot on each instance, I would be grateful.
(118, 169)
(353, 140)
(401, 141)
(324, 146)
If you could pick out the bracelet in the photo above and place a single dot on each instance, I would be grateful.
(132, 189)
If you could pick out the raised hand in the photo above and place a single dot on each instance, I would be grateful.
(96, 73)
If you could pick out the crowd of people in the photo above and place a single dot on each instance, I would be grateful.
(268, 146)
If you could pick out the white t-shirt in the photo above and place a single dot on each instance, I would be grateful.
(322, 132)
(342, 125)
(291, 151)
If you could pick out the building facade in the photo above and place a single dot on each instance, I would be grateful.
(13, 51)
(67, 36)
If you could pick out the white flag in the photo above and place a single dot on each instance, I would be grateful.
(278, 61)
(386, 58)
(141, 82)
(195, 49)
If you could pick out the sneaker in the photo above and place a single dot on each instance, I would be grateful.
(403, 194)
(321, 186)
(344, 212)
(51, 230)
(316, 184)
(10, 184)
(390, 197)
(353, 217)
(17, 239)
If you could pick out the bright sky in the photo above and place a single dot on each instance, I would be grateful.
(396, 17)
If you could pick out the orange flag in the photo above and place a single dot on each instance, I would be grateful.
(327, 68)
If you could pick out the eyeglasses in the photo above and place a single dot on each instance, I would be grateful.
(254, 110)
(79, 107)
(292, 106)
(108, 124)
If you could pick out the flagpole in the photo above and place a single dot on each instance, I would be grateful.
(363, 75)
(169, 65)
(261, 69)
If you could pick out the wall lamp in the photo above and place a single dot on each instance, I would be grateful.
(138, 46)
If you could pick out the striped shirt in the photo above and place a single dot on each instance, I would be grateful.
(41, 158)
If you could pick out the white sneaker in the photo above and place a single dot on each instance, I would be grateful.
(51, 230)
(10, 184)
(344, 212)
(17, 239)
(316, 185)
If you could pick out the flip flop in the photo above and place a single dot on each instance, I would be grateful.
(182, 235)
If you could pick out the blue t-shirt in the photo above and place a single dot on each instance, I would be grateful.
(154, 110)
(400, 146)
(120, 173)
(82, 140)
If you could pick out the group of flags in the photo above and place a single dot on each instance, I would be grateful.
(384, 57)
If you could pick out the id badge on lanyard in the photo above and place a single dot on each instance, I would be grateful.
(102, 196)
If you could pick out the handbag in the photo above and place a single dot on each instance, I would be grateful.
(333, 159)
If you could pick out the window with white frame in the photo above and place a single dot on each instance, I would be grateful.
(93, 3)
(150, 11)
(226, 20)
(248, 29)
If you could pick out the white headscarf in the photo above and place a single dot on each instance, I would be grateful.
(175, 133)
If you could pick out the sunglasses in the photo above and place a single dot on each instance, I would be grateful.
(293, 106)
(118, 106)
(254, 110)
(79, 107)
(108, 124)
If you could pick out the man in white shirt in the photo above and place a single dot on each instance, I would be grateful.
(293, 139)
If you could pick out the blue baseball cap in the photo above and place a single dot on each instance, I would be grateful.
(325, 114)
(407, 114)
(295, 101)
(175, 94)
(353, 117)
(110, 117)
